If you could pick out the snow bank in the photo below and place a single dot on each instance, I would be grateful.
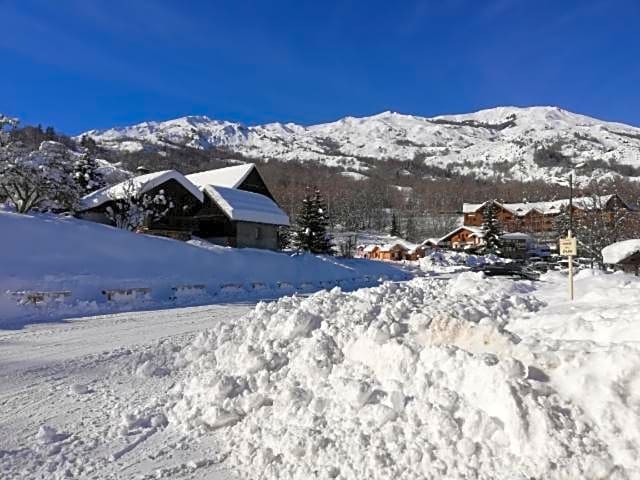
(411, 380)
(52, 253)
(590, 349)
(446, 261)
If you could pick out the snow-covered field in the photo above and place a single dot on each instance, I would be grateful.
(437, 377)
(49, 253)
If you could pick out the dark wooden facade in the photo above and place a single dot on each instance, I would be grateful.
(256, 184)
(179, 221)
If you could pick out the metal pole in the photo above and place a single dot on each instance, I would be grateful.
(570, 202)
(569, 234)
(570, 271)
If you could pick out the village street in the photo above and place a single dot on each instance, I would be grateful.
(76, 374)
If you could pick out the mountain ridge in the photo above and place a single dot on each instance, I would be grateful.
(523, 143)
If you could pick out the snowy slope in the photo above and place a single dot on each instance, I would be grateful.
(50, 253)
(496, 142)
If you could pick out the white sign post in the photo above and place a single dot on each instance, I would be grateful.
(569, 248)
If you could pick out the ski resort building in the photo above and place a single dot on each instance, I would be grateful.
(229, 206)
(539, 217)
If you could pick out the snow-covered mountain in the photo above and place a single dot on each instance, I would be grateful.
(503, 142)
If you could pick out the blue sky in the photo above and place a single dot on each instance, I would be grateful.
(81, 64)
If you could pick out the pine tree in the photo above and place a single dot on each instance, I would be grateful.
(284, 238)
(394, 231)
(322, 240)
(492, 229)
(86, 174)
(561, 222)
(310, 234)
(302, 235)
(410, 232)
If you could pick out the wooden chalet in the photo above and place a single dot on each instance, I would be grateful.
(239, 210)
(185, 197)
(538, 217)
(392, 251)
(463, 237)
(229, 206)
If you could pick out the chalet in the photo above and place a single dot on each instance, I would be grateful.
(370, 251)
(239, 210)
(392, 251)
(463, 237)
(185, 199)
(244, 177)
(239, 218)
(229, 206)
(538, 217)
(429, 243)
(624, 255)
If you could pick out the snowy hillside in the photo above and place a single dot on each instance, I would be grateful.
(506, 142)
(51, 253)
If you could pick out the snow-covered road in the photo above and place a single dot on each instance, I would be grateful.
(46, 369)
(459, 377)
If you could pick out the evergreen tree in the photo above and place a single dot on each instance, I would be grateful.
(310, 234)
(492, 229)
(284, 238)
(410, 231)
(302, 234)
(394, 231)
(86, 174)
(322, 240)
(561, 222)
(89, 143)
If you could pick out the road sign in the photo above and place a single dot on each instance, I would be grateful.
(568, 247)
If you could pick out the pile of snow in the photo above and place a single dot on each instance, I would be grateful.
(48, 253)
(445, 261)
(590, 349)
(412, 380)
(618, 251)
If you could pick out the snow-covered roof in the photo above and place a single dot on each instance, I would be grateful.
(547, 208)
(370, 248)
(230, 177)
(429, 241)
(137, 186)
(393, 246)
(240, 205)
(617, 252)
(475, 231)
(516, 236)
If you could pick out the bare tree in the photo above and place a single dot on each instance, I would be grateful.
(129, 210)
(40, 180)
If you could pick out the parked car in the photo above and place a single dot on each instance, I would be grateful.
(507, 270)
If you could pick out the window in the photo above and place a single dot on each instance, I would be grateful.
(258, 233)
